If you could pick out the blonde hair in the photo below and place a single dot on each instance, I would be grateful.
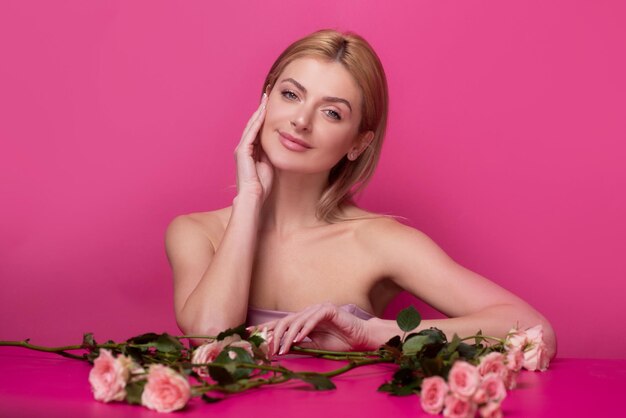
(347, 177)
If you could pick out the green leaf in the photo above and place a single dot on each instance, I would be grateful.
(415, 344)
(432, 366)
(318, 381)
(467, 351)
(220, 374)
(134, 391)
(147, 338)
(88, 341)
(454, 344)
(240, 330)
(386, 387)
(404, 376)
(405, 391)
(435, 334)
(257, 340)
(210, 399)
(395, 342)
(408, 319)
(165, 343)
(400, 389)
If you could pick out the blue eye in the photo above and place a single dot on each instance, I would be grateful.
(288, 94)
(333, 114)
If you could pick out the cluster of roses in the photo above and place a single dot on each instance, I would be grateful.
(470, 388)
(164, 389)
(482, 388)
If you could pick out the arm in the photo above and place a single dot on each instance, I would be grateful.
(471, 301)
(211, 285)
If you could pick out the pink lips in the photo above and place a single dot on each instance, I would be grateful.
(292, 143)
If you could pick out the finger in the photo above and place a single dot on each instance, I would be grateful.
(294, 331)
(269, 325)
(279, 330)
(310, 316)
(324, 313)
(256, 118)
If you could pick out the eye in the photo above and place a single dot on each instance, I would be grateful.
(288, 94)
(331, 113)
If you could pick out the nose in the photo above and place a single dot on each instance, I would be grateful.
(301, 120)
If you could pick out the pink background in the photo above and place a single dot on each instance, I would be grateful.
(505, 145)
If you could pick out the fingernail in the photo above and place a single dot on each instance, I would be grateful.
(281, 351)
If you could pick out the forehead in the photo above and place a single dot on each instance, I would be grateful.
(323, 78)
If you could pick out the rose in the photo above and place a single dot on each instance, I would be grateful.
(536, 355)
(491, 389)
(108, 376)
(463, 379)
(493, 363)
(432, 394)
(458, 407)
(516, 339)
(531, 343)
(536, 358)
(166, 390)
(514, 359)
(206, 353)
(490, 410)
(267, 337)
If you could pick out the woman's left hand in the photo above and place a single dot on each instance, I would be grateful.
(327, 326)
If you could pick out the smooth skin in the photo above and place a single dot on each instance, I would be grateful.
(269, 250)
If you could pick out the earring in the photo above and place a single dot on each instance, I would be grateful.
(352, 155)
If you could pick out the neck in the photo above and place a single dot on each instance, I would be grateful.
(292, 203)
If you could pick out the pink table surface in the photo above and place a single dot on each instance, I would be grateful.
(34, 384)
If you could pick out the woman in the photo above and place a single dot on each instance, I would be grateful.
(293, 251)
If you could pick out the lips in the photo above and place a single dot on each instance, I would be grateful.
(292, 143)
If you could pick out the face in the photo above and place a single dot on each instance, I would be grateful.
(313, 117)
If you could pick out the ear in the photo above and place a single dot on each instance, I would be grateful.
(362, 142)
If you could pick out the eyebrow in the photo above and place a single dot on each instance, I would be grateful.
(327, 98)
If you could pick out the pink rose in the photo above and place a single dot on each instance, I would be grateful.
(510, 381)
(514, 359)
(490, 410)
(492, 386)
(206, 353)
(433, 393)
(108, 377)
(463, 379)
(536, 358)
(166, 390)
(516, 339)
(268, 337)
(458, 407)
(493, 363)
(531, 343)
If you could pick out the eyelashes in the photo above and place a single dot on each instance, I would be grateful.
(288, 94)
(292, 96)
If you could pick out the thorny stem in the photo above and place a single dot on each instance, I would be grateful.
(486, 337)
(343, 354)
(58, 350)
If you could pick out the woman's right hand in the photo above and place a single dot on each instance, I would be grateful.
(254, 170)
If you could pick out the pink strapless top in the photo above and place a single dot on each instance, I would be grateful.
(258, 316)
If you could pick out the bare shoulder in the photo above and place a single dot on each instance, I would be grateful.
(384, 231)
(199, 226)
